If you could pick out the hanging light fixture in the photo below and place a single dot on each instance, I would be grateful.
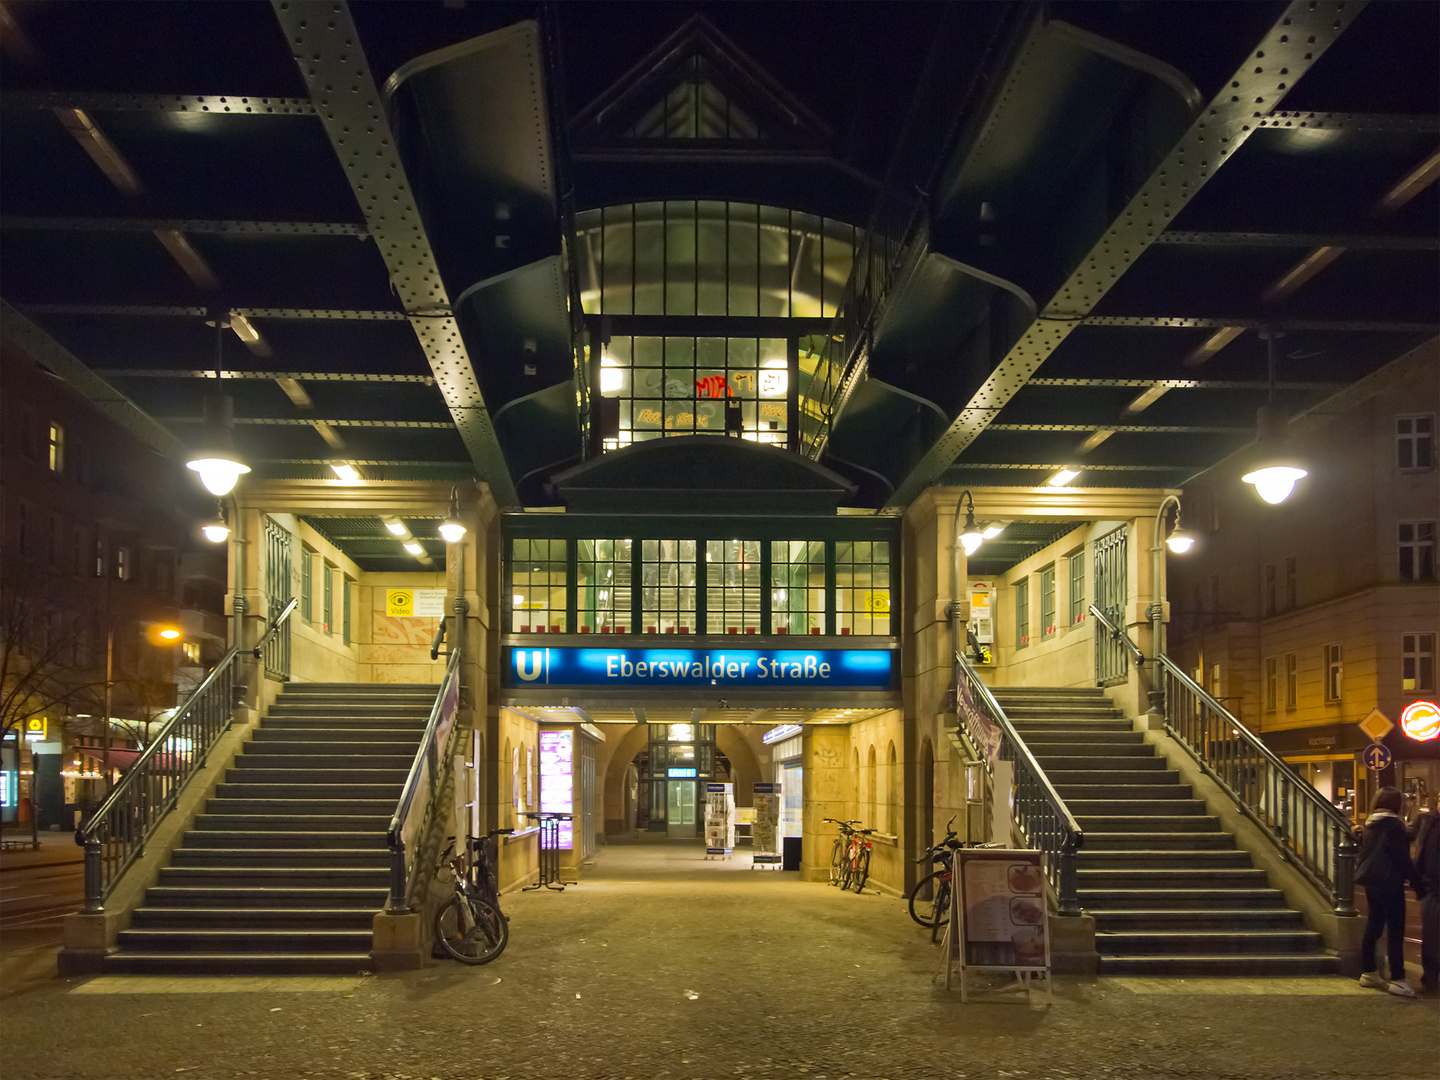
(215, 458)
(1277, 470)
(971, 536)
(217, 531)
(451, 529)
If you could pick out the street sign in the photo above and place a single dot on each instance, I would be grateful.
(1377, 725)
(36, 728)
(1377, 757)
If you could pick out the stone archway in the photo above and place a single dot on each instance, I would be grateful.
(635, 739)
(744, 765)
(926, 778)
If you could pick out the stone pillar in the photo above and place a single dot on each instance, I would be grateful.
(827, 788)
(245, 603)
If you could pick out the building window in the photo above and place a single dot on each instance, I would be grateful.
(797, 586)
(668, 589)
(603, 580)
(1215, 684)
(191, 652)
(99, 557)
(537, 586)
(1272, 680)
(1292, 594)
(1334, 672)
(57, 448)
(1415, 442)
(1292, 681)
(1047, 601)
(1417, 551)
(327, 585)
(123, 567)
(1267, 591)
(345, 610)
(1077, 587)
(1417, 663)
(862, 586)
(1022, 613)
(307, 571)
(733, 583)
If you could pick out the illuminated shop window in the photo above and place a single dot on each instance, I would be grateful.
(537, 586)
(603, 578)
(733, 584)
(667, 569)
(862, 586)
(797, 586)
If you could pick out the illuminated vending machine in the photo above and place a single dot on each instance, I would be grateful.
(767, 801)
(981, 628)
(719, 820)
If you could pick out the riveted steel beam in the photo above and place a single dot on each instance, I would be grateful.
(279, 421)
(188, 225)
(1301, 34)
(1171, 384)
(1297, 240)
(1126, 429)
(44, 349)
(178, 311)
(1184, 323)
(326, 46)
(1395, 123)
(299, 376)
(222, 104)
(1052, 466)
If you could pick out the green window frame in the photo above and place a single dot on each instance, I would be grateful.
(1077, 588)
(668, 591)
(1022, 613)
(1047, 601)
(345, 610)
(307, 572)
(797, 586)
(604, 578)
(328, 587)
(538, 585)
(862, 587)
(734, 582)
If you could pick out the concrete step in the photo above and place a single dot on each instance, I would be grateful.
(1160, 859)
(1046, 723)
(376, 877)
(245, 940)
(349, 763)
(1083, 714)
(360, 823)
(1193, 898)
(317, 859)
(359, 689)
(1115, 792)
(1062, 692)
(240, 918)
(1206, 942)
(296, 777)
(275, 801)
(220, 963)
(1111, 763)
(226, 790)
(361, 738)
(1142, 823)
(1198, 966)
(1082, 733)
(1180, 919)
(282, 840)
(373, 707)
(1129, 778)
(1046, 751)
(366, 898)
(1157, 841)
(351, 719)
(1120, 807)
(1171, 877)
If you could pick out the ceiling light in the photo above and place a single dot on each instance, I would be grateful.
(451, 529)
(612, 377)
(992, 529)
(396, 527)
(215, 458)
(970, 537)
(1277, 469)
(414, 548)
(1063, 477)
(345, 471)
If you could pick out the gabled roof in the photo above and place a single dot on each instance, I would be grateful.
(697, 90)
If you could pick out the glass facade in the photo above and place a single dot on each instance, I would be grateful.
(603, 577)
(733, 584)
(668, 591)
(797, 584)
(538, 585)
(862, 587)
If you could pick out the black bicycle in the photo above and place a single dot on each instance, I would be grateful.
(930, 899)
(850, 855)
(470, 926)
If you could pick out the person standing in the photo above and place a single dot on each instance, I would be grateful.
(1426, 879)
(1383, 868)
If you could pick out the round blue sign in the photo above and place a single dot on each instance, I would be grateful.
(1377, 757)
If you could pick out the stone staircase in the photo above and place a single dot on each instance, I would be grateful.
(1170, 892)
(286, 867)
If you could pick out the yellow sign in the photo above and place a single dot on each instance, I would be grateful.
(877, 602)
(1377, 725)
(36, 727)
(400, 603)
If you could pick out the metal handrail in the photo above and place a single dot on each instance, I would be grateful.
(1314, 835)
(114, 836)
(1040, 812)
(1119, 636)
(274, 629)
(424, 770)
(437, 640)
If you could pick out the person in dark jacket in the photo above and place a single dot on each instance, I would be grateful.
(1426, 878)
(1383, 868)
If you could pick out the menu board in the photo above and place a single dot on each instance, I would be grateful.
(557, 780)
(1002, 900)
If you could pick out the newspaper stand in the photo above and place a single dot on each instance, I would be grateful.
(766, 830)
(998, 920)
(719, 820)
(549, 877)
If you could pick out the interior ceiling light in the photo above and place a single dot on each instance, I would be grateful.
(970, 537)
(216, 531)
(414, 548)
(612, 378)
(451, 529)
(215, 458)
(1063, 477)
(991, 529)
(1277, 468)
(345, 471)
(396, 527)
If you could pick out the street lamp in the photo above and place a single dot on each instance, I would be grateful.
(451, 528)
(1179, 541)
(971, 536)
(1277, 470)
(215, 458)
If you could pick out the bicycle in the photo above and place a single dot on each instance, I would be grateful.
(935, 912)
(837, 850)
(850, 855)
(469, 926)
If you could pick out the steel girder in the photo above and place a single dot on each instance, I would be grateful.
(1302, 33)
(326, 46)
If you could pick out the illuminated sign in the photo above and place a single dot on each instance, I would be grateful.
(1421, 720)
(557, 779)
(36, 728)
(864, 669)
(784, 731)
(680, 774)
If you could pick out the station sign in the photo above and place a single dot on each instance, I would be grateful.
(852, 669)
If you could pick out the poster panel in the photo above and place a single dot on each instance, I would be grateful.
(1002, 897)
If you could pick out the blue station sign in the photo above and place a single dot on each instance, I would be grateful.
(852, 669)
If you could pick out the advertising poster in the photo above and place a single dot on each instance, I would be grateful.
(1003, 908)
(557, 779)
(767, 799)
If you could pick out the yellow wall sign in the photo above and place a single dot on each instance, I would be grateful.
(877, 602)
(400, 603)
(36, 727)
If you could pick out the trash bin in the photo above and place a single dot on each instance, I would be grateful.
(790, 853)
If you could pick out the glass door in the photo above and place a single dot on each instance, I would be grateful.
(680, 809)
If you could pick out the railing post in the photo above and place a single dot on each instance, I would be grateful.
(1069, 901)
(94, 879)
(398, 904)
(1344, 899)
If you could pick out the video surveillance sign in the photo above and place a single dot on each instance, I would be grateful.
(853, 669)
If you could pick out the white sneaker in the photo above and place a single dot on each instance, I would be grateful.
(1371, 980)
(1401, 989)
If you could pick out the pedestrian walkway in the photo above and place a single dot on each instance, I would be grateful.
(661, 965)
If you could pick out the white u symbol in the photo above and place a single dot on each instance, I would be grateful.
(531, 672)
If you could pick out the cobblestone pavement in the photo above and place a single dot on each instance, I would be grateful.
(661, 965)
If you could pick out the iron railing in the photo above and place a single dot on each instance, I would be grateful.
(273, 646)
(115, 835)
(1041, 815)
(426, 780)
(1111, 594)
(1314, 835)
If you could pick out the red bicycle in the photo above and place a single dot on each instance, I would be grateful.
(930, 899)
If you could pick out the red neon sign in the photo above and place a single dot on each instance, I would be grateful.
(1421, 720)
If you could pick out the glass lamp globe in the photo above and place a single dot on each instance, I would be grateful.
(218, 474)
(1275, 482)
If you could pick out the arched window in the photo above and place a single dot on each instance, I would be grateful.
(892, 794)
(856, 787)
(870, 791)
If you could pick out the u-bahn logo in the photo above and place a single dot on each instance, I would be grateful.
(531, 664)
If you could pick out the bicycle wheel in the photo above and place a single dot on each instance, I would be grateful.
(923, 898)
(837, 861)
(942, 910)
(861, 873)
(470, 930)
